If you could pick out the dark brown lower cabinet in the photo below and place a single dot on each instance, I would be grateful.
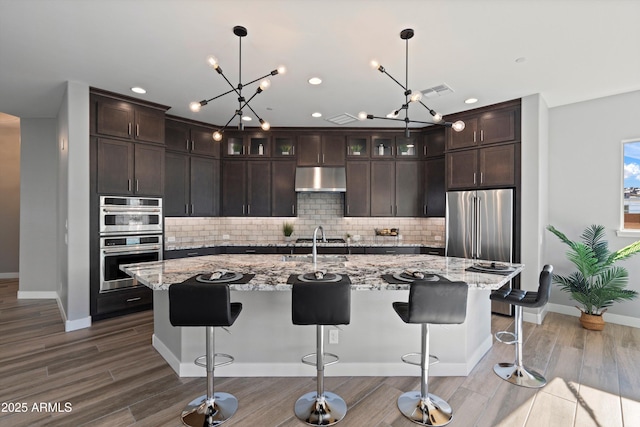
(246, 188)
(358, 195)
(283, 195)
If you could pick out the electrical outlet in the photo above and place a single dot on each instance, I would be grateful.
(225, 237)
(334, 336)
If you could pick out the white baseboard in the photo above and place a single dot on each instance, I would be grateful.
(189, 369)
(536, 316)
(74, 325)
(9, 275)
(608, 317)
(37, 295)
(69, 325)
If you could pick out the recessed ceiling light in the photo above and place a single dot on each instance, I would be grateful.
(316, 114)
(315, 80)
(471, 100)
(246, 118)
(521, 59)
(138, 89)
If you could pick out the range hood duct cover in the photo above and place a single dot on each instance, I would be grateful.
(318, 179)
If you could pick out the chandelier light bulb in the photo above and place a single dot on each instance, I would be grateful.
(415, 96)
(265, 84)
(212, 61)
(195, 106)
(264, 125)
(217, 136)
(374, 64)
(362, 115)
(393, 114)
(437, 117)
(458, 126)
(281, 69)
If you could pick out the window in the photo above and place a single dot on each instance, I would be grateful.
(631, 185)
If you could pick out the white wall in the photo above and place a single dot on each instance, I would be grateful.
(38, 208)
(534, 160)
(9, 195)
(585, 167)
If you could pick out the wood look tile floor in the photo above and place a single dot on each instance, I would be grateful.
(110, 375)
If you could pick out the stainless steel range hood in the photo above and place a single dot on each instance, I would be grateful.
(327, 179)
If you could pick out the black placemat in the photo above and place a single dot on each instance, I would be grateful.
(393, 281)
(246, 278)
(293, 279)
(498, 272)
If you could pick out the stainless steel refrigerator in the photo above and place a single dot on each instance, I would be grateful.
(479, 225)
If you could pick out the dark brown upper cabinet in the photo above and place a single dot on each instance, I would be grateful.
(122, 119)
(246, 188)
(246, 144)
(433, 142)
(191, 138)
(127, 168)
(283, 193)
(499, 124)
(396, 188)
(358, 195)
(321, 150)
(486, 167)
(192, 185)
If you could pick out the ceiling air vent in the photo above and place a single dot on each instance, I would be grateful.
(437, 91)
(342, 119)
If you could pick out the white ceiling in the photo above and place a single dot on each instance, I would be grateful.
(574, 50)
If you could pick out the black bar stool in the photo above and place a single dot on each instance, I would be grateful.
(516, 373)
(430, 303)
(320, 304)
(205, 304)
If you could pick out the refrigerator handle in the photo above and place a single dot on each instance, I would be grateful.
(474, 234)
(478, 230)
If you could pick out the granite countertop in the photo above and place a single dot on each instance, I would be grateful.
(358, 244)
(271, 271)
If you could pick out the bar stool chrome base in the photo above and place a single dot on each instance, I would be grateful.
(324, 411)
(200, 413)
(432, 411)
(519, 375)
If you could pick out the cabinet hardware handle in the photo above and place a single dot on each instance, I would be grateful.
(134, 299)
(129, 129)
(248, 209)
(193, 254)
(474, 136)
(390, 251)
(137, 185)
(348, 209)
(391, 209)
(187, 140)
(193, 145)
(250, 251)
(481, 178)
(293, 150)
(128, 185)
(243, 209)
(318, 157)
(186, 209)
(293, 209)
(137, 129)
(322, 158)
(481, 134)
(424, 150)
(425, 210)
(474, 177)
(391, 151)
(192, 210)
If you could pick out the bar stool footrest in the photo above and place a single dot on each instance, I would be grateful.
(202, 360)
(331, 362)
(499, 336)
(432, 359)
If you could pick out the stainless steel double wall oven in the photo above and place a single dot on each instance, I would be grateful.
(130, 232)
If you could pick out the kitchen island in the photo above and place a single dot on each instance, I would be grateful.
(264, 342)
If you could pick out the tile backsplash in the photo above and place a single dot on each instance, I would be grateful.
(326, 209)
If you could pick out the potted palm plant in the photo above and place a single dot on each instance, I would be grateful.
(597, 283)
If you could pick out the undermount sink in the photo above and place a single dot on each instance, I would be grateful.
(309, 258)
(328, 240)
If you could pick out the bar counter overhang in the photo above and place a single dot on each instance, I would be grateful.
(264, 342)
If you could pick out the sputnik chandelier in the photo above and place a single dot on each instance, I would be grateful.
(242, 102)
(410, 97)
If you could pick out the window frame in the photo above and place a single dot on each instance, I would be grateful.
(622, 231)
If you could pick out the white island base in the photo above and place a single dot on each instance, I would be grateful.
(264, 342)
